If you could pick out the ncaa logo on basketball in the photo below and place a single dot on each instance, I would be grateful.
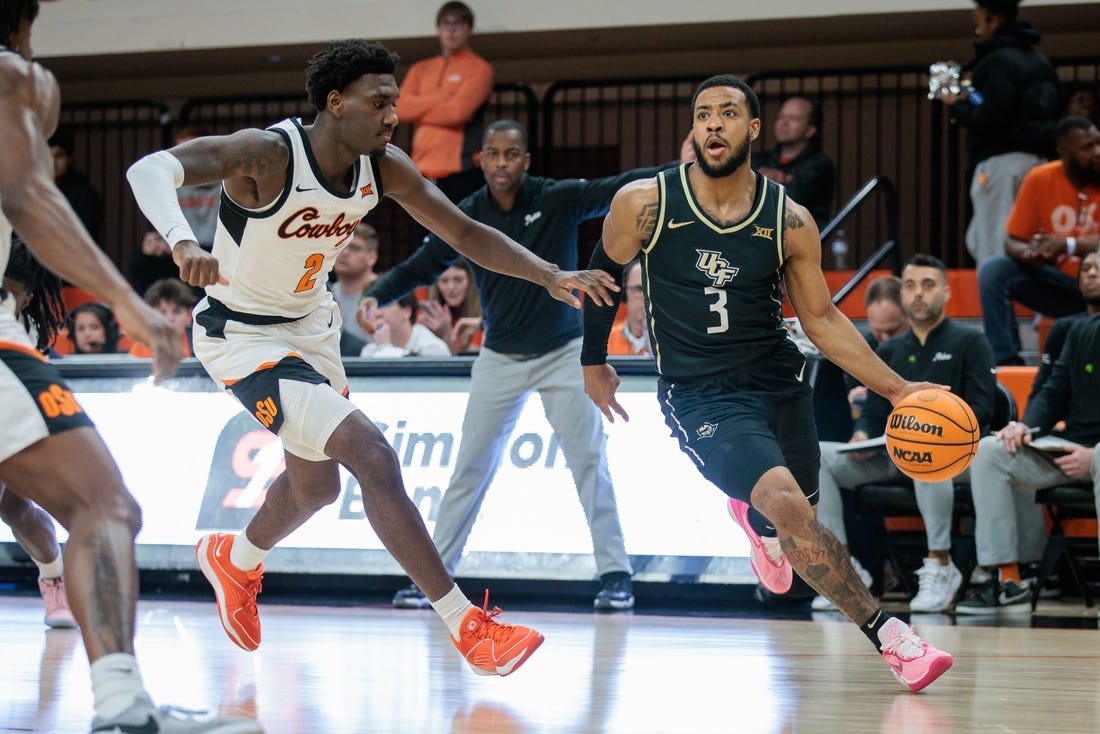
(914, 457)
(932, 435)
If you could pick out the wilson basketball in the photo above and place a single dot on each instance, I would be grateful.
(932, 435)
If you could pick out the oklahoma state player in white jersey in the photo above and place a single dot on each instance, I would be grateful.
(311, 222)
(49, 450)
(269, 330)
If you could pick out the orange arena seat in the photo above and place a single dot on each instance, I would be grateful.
(1018, 381)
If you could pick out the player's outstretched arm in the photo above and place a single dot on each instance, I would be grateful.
(828, 328)
(252, 163)
(39, 212)
(484, 245)
(628, 226)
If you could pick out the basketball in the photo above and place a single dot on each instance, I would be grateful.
(932, 435)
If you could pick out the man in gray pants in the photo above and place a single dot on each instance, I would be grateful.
(531, 344)
(1006, 465)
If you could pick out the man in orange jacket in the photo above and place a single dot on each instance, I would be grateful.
(443, 98)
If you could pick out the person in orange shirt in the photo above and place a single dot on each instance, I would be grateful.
(629, 336)
(1054, 217)
(174, 299)
(443, 97)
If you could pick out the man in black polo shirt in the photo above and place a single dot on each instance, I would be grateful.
(934, 350)
(1008, 468)
(531, 344)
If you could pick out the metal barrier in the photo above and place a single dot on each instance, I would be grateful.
(877, 122)
(226, 114)
(107, 138)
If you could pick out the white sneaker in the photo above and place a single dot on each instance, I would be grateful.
(144, 719)
(938, 586)
(821, 604)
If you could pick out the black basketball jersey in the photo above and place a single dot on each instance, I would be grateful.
(713, 293)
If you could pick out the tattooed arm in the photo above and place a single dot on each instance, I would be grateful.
(823, 322)
(630, 224)
(252, 163)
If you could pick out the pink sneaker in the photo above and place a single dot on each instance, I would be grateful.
(58, 614)
(914, 662)
(771, 567)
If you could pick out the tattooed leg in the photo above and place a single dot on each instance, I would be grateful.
(101, 582)
(72, 476)
(825, 564)
(811, 549)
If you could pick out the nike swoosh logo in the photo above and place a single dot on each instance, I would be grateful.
(149, 727)
(676, 225)
(506, 669)
(299, 188)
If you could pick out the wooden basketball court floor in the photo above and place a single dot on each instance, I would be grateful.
(373, 669)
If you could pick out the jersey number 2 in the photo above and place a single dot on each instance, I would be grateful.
(313, 265)
(719, 307)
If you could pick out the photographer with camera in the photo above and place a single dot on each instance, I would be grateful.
(1008, 101)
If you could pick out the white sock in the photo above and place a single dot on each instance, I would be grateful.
(452, 609)
(116, 684)
(246, 556)
(891, 629)
(51, 570)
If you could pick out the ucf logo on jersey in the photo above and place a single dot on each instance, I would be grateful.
(716, 267)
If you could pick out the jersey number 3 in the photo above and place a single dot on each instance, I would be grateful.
(719, 307)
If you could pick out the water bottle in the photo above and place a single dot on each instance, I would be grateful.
(840, 251)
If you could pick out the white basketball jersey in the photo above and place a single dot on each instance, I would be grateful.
(277, 260)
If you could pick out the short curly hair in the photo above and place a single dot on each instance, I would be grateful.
(342, 63)
(728, 80)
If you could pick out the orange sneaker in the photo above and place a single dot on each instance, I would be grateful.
(235, 590)
(491, 647)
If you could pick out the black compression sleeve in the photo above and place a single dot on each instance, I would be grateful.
(598, 318)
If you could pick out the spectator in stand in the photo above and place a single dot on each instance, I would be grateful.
(93, 329)
(443, 98)
(151, 262)
(199, 203)
(935, 350)
(1007, 467)
(74, 184)
(353, 274)
(630, 336)
(1009, 106)
(396, 333)
(1081, 99)
(885, 320)
(174, 299)
(797, 161)
(1055, 216)
(1056, 337)
(453, 309)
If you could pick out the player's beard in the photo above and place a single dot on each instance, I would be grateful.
(738, 159)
